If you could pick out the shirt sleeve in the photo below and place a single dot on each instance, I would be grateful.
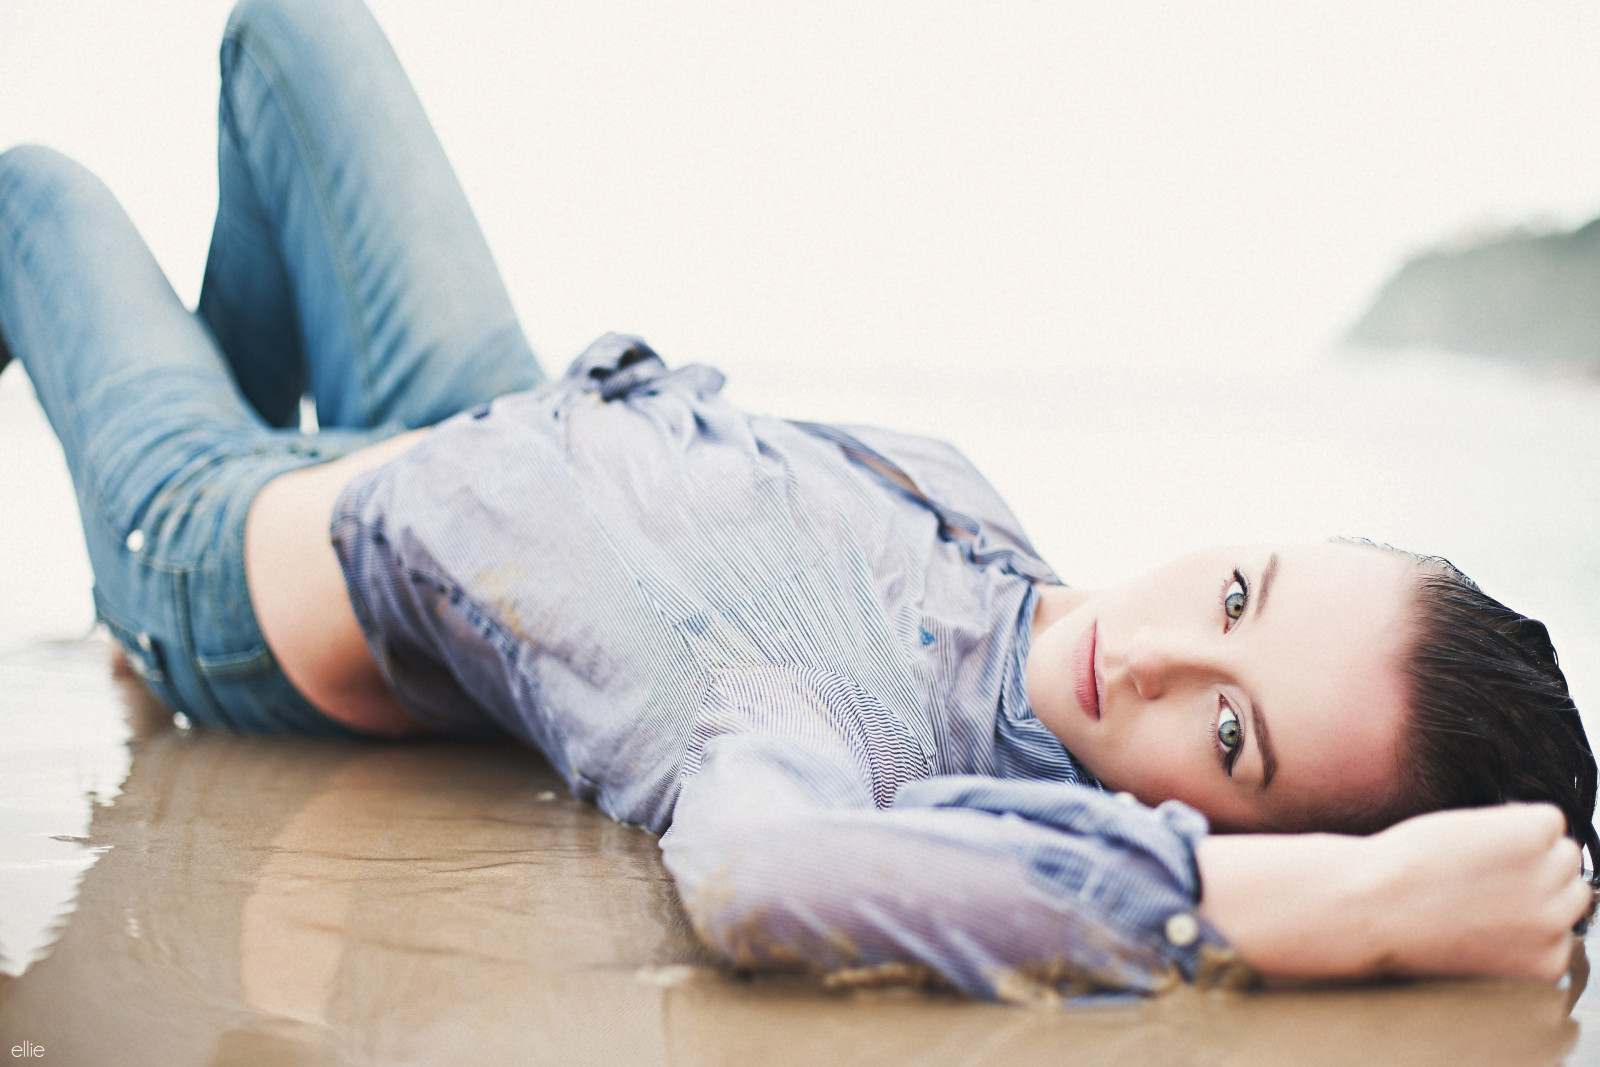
(1007, 889)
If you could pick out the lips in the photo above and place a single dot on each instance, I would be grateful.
(1083, 672)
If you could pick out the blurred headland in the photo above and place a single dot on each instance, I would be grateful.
(1523, 295)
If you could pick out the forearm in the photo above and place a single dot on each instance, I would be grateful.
(1489, 891)
(1010, 890)
(1293, 905)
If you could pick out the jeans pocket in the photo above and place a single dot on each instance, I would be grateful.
(224, 667)
(252, 692)
(239, 673)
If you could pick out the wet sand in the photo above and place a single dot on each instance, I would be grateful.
(282, 901)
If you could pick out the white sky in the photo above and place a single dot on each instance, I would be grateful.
(936, 182)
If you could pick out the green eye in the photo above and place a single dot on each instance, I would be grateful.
(1228, 733)
(1234, 601)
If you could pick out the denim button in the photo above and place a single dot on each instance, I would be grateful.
(135, 541)
(1183, 929)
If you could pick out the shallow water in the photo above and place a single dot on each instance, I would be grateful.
(294, 902)
(174, 896)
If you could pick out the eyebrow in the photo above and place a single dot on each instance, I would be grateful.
(1269, 758)
(1265, 588)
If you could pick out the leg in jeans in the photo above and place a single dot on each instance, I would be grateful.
(344, 255)
(345, 258)
(165, 454)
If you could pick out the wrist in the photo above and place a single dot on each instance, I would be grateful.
(1301, 905)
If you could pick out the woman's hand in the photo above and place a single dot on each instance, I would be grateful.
(1487, 891)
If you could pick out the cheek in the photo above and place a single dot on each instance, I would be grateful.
(1153, 757)
(1048, 679)
(1169, 594)
(1155, 781)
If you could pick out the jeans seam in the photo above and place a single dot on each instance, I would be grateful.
(127, 634)
(185, 636)
(143, 557)
(257, 50)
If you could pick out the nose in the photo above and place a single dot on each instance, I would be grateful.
(1157, 659)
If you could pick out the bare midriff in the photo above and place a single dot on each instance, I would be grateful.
(298, 591)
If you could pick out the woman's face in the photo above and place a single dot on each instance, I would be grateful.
(1258, 684)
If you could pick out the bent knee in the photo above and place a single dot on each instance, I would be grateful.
(39, 184)
(28, 168)
(295, 31)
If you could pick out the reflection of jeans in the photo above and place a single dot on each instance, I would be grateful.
(345, 263)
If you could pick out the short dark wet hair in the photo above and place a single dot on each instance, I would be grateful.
(1491, 719)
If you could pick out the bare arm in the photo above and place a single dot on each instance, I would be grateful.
(1490, 891)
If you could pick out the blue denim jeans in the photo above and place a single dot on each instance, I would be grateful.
(345, 264)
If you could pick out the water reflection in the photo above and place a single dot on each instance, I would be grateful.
(63, 751)
(309, 902)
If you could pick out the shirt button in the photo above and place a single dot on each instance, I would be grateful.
(1183, 929)
(135, 541)
(144, 642)
(1127, 798)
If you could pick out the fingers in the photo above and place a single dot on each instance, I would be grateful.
(1543, 823)
(1558, 878)
(1566, 856)
(1570, 898)
(1540, 944)
(1508, 905)
(1539, 833)
(1576, 900)
(1555, 960)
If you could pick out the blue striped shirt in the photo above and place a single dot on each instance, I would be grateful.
(745, 633)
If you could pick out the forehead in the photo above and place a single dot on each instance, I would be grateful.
(1329, 670)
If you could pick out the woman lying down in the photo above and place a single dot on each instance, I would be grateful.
(876, 732)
